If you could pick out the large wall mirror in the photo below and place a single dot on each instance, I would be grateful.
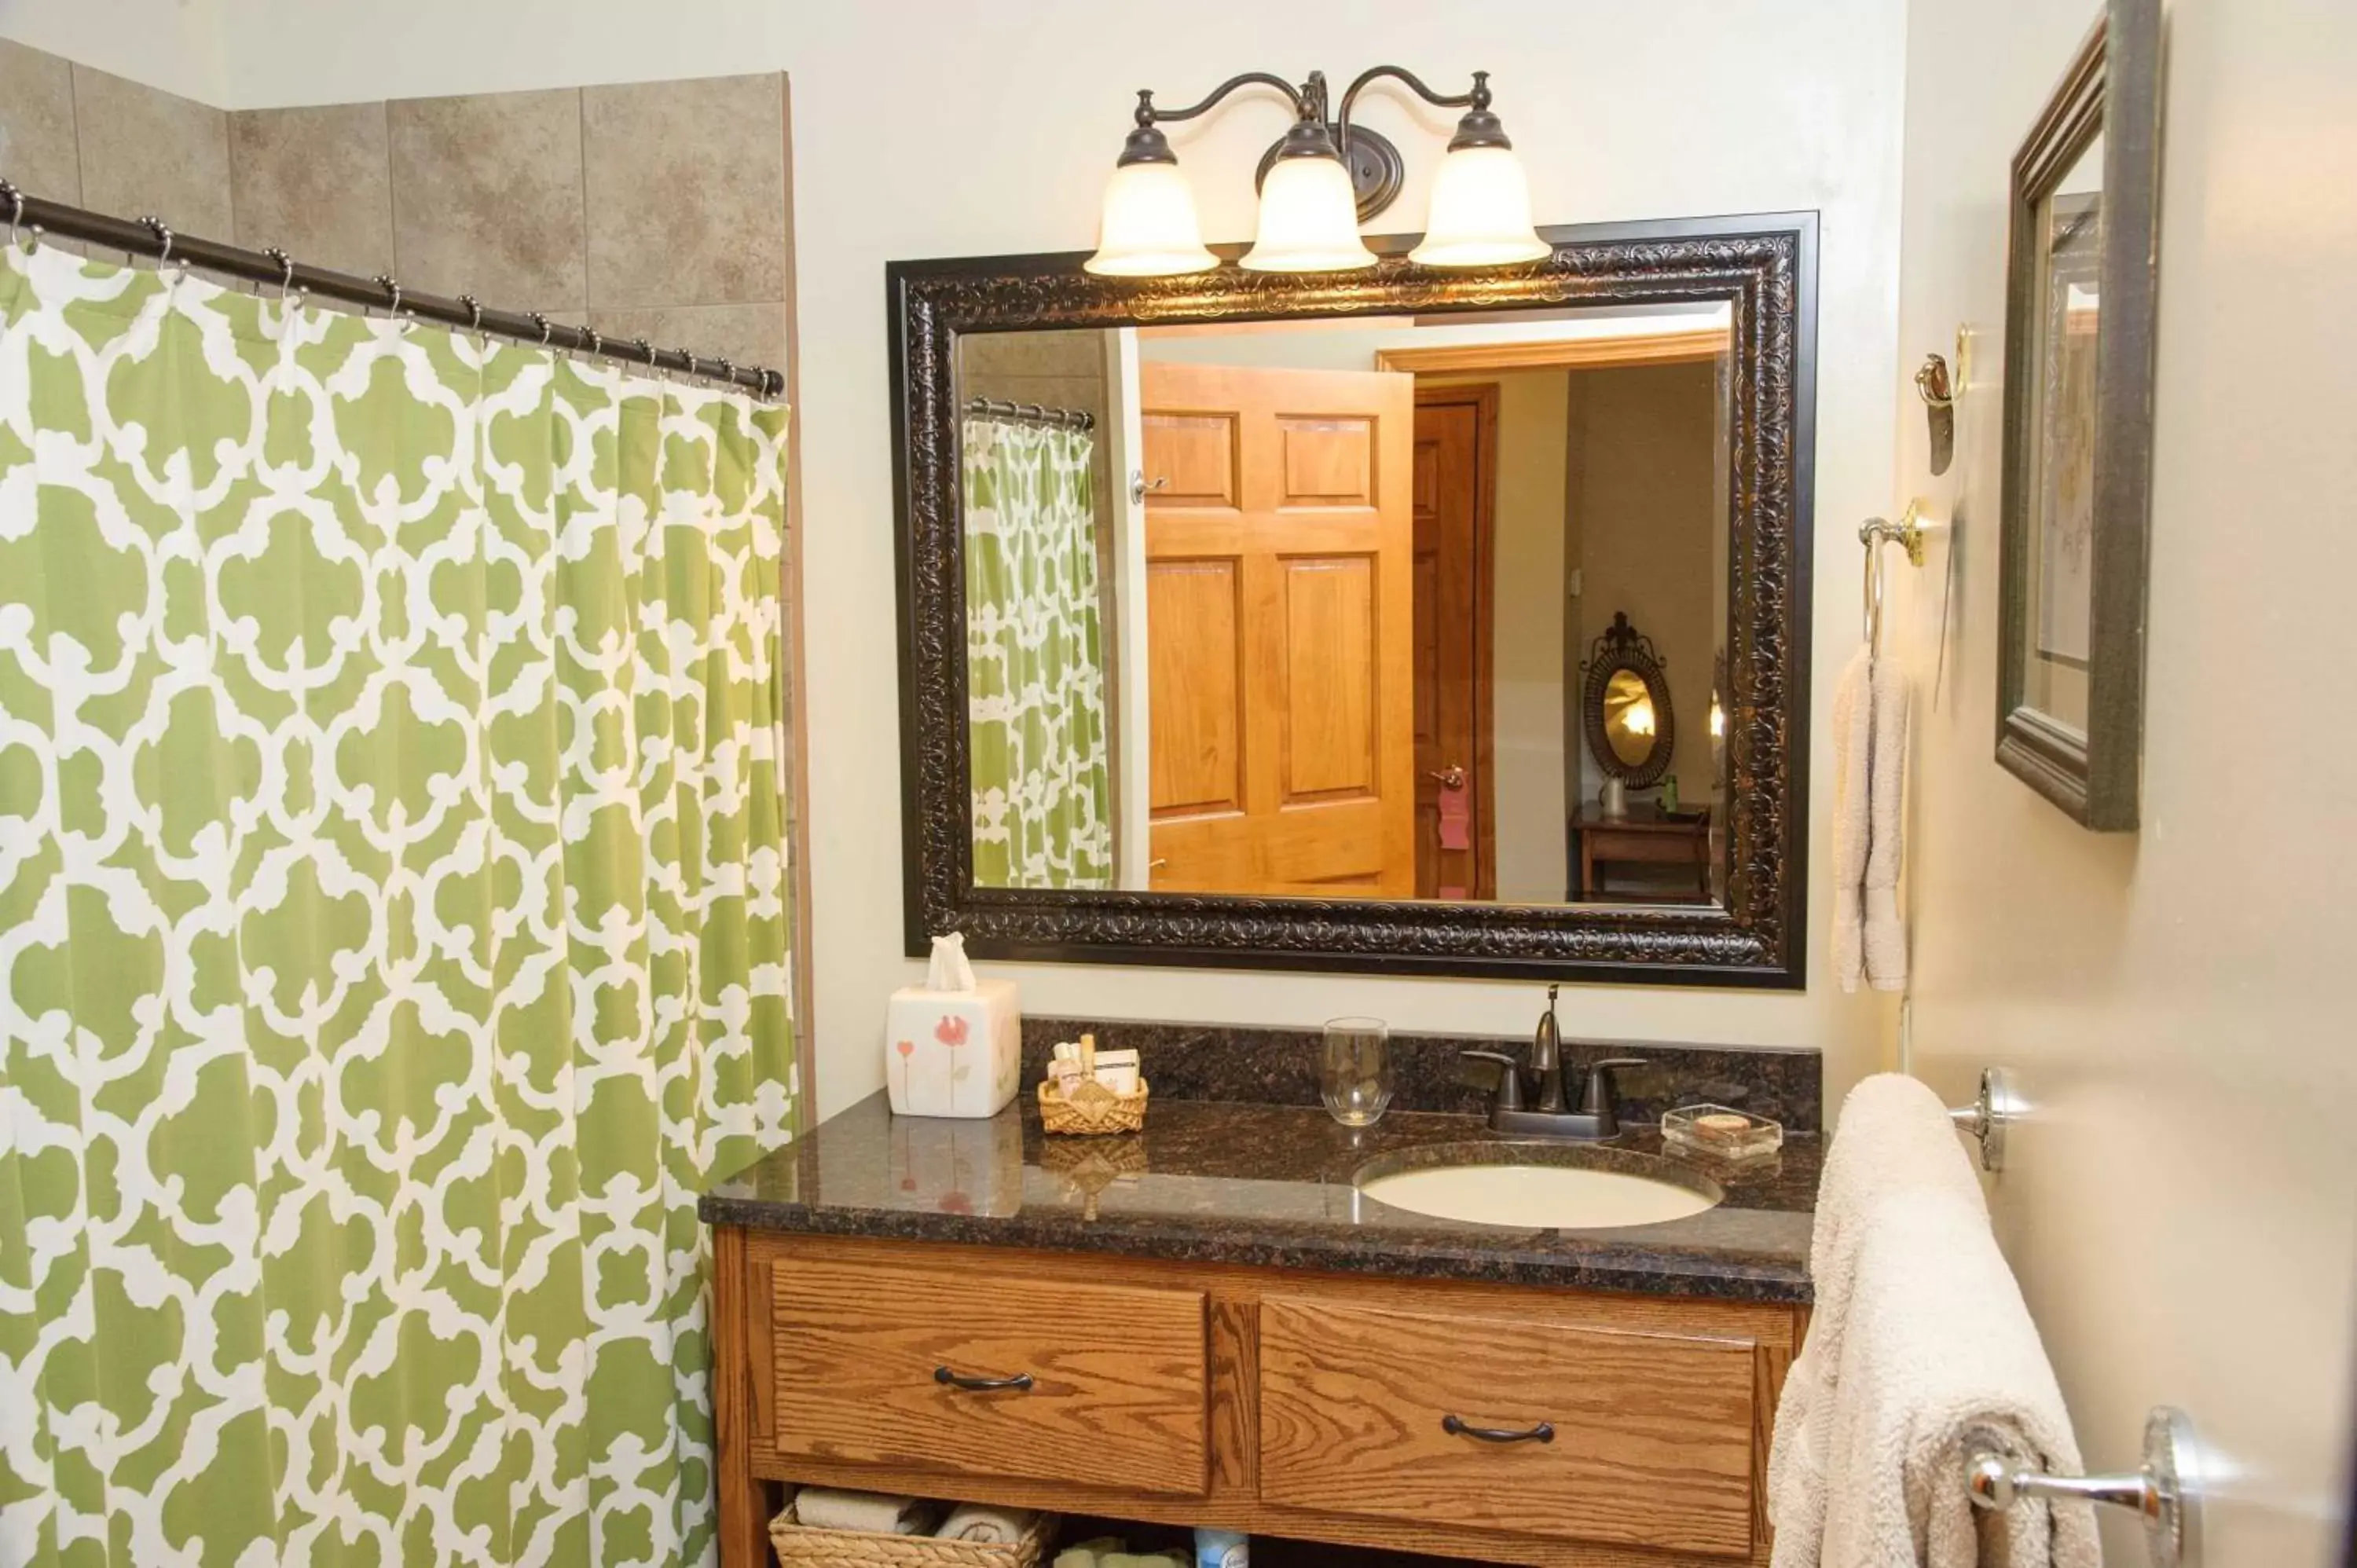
(1393, 621)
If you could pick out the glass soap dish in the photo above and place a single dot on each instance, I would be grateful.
(1721, 1131)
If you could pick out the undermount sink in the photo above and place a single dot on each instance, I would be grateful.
(1537, 1187)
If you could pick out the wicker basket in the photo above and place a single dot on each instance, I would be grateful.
(800, 1546)
(1093, 1111)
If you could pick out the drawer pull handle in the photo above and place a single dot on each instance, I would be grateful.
(1543, 1433)
(948, 1378)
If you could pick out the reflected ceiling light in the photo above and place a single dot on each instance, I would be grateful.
(1321, 180)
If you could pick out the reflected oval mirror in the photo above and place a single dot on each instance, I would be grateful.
(1629, 722)
(1631, 727)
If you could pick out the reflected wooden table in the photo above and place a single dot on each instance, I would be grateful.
(1645, 836)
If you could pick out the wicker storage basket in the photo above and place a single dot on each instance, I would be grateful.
(1091, 1111)
(800, 1546)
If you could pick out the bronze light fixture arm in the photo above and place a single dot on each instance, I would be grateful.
(1477, 100)
(1299, 97)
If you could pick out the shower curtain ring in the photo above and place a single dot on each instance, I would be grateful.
(689, 355)
(542, 322)
(727, 370)
(391, 285)
(16, 210)
(597, 342)
(163, 232)
(474, 316)
(654, 364)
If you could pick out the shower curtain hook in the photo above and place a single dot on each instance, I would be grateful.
(689, 355)
(474, 316)
(163, 232)
(288, 304)
(391, 285)
(546, 329)
(729, 371)
(653, 363)
(597, 342)
(17, 214)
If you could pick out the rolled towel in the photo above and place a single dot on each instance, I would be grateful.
(1089, 1554)
(990, 1526)
(875, 1513)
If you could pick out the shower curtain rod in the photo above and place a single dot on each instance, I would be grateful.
(152, 237)
(1032, 413)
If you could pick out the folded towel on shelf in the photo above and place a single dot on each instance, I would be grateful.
(1112, 1551)
(990, 1526)
(1920, 1351)
(877, 1513)
(1886, 782)
(1853, 749)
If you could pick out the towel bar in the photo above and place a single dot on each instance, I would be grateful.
(1988, 1116)
(2160, 1492)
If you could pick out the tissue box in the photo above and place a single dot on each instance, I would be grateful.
(952, 1053)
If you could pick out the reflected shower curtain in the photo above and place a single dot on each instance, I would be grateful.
(392, 929)
(1042, 780)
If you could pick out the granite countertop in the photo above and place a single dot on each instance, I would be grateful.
(1268, 1185)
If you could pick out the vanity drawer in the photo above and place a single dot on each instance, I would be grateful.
(1112, 1377)
(1652, 1432)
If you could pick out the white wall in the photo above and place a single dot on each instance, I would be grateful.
(2182, 1204)
(180, 45)
(946, 129)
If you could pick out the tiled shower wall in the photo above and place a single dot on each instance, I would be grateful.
(658, 210)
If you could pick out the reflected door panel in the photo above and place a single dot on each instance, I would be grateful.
(1277, 546)
(1455, 842)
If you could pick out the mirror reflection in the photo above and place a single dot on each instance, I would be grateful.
(1385, 607)
(2066, 318)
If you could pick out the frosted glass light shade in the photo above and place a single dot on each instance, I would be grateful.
(1481, 212)
(1308, 219)
(1148, 228)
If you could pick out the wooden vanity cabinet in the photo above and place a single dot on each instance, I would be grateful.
(1509, 1423)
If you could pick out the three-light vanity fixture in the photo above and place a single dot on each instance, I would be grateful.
(1318, 184)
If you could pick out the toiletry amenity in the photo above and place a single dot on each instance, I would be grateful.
(981, 1522)
(877, 1513)
(1919, 1349)
(1089, 1092)
(951, 1045)
(1221, 1548)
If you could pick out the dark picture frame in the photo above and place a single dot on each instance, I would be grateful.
(2112, 89)
(1763, 268)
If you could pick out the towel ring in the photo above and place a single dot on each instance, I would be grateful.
(1986, 1118)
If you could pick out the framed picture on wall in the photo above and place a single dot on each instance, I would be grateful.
(2080, 301)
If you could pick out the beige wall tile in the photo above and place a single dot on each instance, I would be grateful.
(487, 197)
(749, 334)
(147, 151)
(317, 183)
(687, 191)
(36, 123)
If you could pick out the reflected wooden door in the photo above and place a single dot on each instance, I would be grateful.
(1454, 495)
(1278, 619)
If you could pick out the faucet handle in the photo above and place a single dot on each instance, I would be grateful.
(1496, 1071)
(1596, 1099)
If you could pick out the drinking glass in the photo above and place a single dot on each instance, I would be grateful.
(1354, 1070)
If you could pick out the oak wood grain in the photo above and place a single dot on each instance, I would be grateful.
(1234, 1295)
(1118, 1372)
(744, 1513)
(1653, 1433)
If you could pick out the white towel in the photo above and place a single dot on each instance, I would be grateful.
(1919, 1349)
(1853, 751)
(990, 1526)
(1886, 929)
(877, 1513)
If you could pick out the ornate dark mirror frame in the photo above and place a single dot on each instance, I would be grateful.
(1763, 268)
(1618, 648)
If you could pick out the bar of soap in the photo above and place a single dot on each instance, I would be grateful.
(1722, 1124)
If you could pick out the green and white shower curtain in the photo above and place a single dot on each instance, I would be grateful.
(392, 929)
(1034, 659)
